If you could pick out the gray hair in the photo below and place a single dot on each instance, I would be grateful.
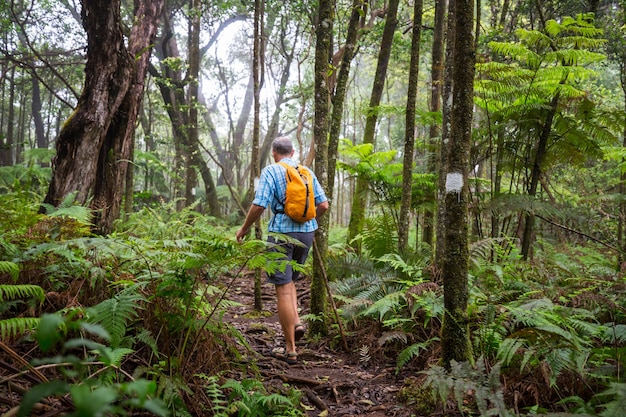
(282, 146)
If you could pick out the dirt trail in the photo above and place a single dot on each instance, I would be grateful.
(334, 383)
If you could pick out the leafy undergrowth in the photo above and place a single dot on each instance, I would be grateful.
(158, 319)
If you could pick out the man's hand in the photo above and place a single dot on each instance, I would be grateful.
(240, 234)
(254, 213)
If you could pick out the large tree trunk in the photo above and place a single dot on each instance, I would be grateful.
(357, 216)
(409, 131)
(454, 334)
(323, 31)
(93, 148)
(107, 80)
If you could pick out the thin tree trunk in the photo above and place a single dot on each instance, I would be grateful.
(255, 166)
(357, 217)
(7, 143)
(540, 154)
(434, 133)
(35, 105)
(455, 333)
(409, 133)
(339, 95)
(323, 31)
(448, 89)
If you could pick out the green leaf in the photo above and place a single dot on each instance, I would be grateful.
(93, 403)
(48, 333)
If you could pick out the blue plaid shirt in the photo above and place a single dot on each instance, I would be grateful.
(271, 191)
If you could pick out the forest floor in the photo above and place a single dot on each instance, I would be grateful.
(333, 382)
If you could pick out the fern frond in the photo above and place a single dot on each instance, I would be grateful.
(17, 326)
(411, 352)
(8, 267)
(390, 302)
(21, 291)
(115, 313)
(393, 336)
(114, 357)
(616, 407)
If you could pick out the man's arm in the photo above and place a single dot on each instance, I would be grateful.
(320, 209)
(253, 215)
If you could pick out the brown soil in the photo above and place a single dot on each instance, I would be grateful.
(333, 382)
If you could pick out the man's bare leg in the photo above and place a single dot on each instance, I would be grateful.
(287, 305)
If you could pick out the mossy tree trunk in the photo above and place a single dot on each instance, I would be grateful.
(323, 33)
(455, 342)
(409, 130)
(255, 164)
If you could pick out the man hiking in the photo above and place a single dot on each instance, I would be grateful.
(272, 191)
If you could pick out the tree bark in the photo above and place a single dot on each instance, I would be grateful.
(108, 74)
(455, 337)
(323, 36)
(93, 147)
(255, 165)
(540, 154)
(35, 106)
(357, 216)
(6, 141)
(409, 131)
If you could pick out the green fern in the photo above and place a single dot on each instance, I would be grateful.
(21, 291)
(617, 405)
(462, 378)
(68, 208)
(11, 268)
(115, 313)
(412, 351)
(17, 326)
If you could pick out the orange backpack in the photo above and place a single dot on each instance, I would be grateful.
(300, 199)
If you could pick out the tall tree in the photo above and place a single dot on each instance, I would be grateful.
(323, 36)
(409, 130)
(357, 216)
(455, 337)
(255, 164)
(93, 148)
